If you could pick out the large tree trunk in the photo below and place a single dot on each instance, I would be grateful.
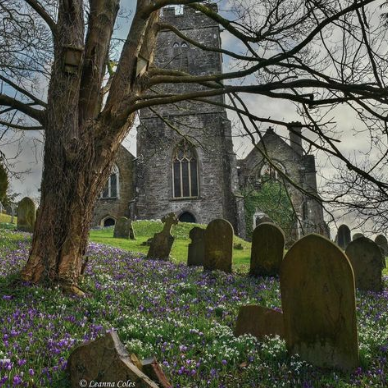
(70, 185)
(80, 142)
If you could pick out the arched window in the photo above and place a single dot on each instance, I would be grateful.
(111, 189)
(180, 60)
(187, 217)
(185, 171)
(269, 172)
(109, 222)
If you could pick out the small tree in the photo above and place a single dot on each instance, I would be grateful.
(271, 199)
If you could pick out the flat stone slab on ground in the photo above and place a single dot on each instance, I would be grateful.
(105, 360)
(259, 321)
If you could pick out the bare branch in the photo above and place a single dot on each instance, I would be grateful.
(39, 9)
(38, 115)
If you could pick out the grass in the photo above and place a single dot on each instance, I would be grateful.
(146, 229)
(6, 218)
(182, 315)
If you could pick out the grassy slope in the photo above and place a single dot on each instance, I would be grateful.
(146, 229)
(6, 218)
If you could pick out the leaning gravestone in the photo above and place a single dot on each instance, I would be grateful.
(267, 250)
(259, 321)
(218, 246)
(161, 244)
(196, 247)
(382, 242)
(318, 300)
(367, 262)
(124, 229)
(343, 236)
(357, 235)
(105, 361)
(26, 213)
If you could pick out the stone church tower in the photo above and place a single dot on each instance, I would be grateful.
(185, 158)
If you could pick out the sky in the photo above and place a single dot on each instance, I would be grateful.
(32, 144)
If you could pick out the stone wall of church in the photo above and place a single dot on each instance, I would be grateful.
(205, 126)
(156, 143)
(121, 205)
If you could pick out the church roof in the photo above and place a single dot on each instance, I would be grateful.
(270, 136)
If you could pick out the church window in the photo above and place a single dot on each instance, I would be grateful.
(269, 172)
(185, 171)
(111, 189)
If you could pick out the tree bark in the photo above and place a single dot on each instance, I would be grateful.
(81, 140)
(70, 186)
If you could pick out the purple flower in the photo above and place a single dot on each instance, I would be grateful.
(17, 380)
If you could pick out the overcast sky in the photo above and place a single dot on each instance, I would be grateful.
(31, 156)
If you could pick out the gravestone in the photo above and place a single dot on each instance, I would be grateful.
(259, 321)
(382, 242)
(267, 250)
(105, 360)
(161, 244)
(26, 213)
(260, 219)
(218, 246)
(343, 236)
(367, 262)
(196, 247)
(318, 300)
(357, 235)
(124, 229)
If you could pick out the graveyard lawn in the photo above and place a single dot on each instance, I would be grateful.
(6, 218)
(183, 316)
(146, 229)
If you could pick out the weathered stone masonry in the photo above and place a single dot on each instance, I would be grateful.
(146, 184)
(205, 126)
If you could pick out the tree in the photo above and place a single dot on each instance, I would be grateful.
(3, 182)
(273, 200)
(282, 51)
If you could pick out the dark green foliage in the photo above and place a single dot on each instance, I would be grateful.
(271, 199)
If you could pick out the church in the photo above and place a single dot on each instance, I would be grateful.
(185, 160)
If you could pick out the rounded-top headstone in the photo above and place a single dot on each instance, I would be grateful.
(26, 213)
(263, 219)
(367, 262)
(343, 236)
(218, 246)
(267, 250)
(357, 235)
(122, 228)
(382, 242)
(318, 300)
(196, 250)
